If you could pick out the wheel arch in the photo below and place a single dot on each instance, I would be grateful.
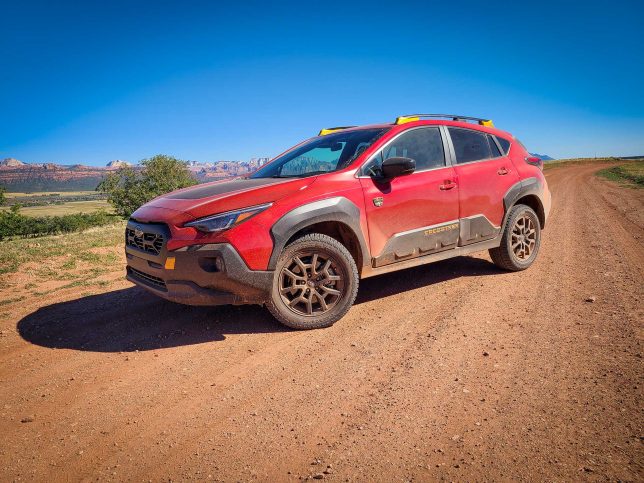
(534, 202)
(336, 217)
(527, 192)
(336, 230)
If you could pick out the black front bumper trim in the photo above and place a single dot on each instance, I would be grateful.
(213, 274)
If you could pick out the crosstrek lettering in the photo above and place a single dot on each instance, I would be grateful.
(431, 231)
(298, 234)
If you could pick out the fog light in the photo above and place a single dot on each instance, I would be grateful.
(210, 264)
(169, 263)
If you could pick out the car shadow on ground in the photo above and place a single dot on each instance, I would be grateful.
(131, 319)
(425, 275)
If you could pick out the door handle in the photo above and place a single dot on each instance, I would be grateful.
(448, 184)
(503, 171)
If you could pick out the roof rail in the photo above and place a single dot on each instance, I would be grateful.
(330, 130)
(454, 117)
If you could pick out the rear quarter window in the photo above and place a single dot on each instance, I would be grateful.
(495, 149)
(504, 143)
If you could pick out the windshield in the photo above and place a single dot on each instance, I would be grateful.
(321, 155)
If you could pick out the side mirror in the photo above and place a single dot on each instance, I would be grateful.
(397, 166)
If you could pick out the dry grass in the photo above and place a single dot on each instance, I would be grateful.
(567, 162)
(67, 208)
(630, 175)
(83, 262)
(66, 250)
(51, 193)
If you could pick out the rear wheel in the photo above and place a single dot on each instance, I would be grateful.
(315, 283)
(520, 240)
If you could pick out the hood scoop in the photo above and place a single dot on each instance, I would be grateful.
(221, 188)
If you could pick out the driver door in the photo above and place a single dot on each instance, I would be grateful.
(417, 214)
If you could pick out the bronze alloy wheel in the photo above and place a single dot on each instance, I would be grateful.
(311, 283)
(520, 239)
(315, 283)
(524, 237)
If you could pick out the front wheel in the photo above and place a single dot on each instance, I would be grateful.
(315, 283)
(520, 240)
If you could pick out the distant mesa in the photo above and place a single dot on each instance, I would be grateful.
(117, 163)
(17, 176)
(543, 157)
(11, 162)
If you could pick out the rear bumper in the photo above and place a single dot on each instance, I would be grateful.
(212, 274)
(547, 202)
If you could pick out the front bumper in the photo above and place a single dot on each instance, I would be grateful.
(212, 274)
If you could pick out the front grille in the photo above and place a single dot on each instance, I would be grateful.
(148, 242)
(146, 278)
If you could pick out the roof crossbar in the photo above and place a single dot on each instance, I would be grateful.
(453, 117)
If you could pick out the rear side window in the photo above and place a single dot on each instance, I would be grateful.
(469, 145)
(493, 147)
(505, 145)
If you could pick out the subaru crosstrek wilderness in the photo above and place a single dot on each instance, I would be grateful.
(353, 202)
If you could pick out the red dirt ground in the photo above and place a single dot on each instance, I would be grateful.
(451, 371)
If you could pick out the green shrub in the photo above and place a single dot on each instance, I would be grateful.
(128, 188)
(14, 224)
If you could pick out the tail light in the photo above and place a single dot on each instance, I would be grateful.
(534, 161)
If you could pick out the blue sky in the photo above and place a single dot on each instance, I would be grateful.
(88, 82)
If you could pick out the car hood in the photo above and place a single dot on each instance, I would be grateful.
(220, 196)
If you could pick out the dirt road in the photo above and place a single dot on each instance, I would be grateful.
(453, 371)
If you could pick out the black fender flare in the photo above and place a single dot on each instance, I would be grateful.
(337, 209)
(528, 186)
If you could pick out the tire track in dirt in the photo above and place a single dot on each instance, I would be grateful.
(92, 398)
(305, 396)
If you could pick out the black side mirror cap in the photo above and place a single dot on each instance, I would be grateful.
(397, 166)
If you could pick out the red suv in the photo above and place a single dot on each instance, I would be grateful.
(301, 231)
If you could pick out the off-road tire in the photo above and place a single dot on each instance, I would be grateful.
(342, 266)
(505, 256)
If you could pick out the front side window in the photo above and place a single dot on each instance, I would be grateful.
(321, 155)
(469, 145)
(423, 145)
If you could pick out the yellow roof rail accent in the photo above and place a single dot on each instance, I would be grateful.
(330, 130)
(406, 119)
(454, 117)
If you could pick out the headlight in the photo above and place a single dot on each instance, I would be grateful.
(224, 221)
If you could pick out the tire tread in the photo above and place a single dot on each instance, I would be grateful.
(328, 319)
(501, 255)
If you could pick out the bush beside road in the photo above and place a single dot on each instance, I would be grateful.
(14, 224)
